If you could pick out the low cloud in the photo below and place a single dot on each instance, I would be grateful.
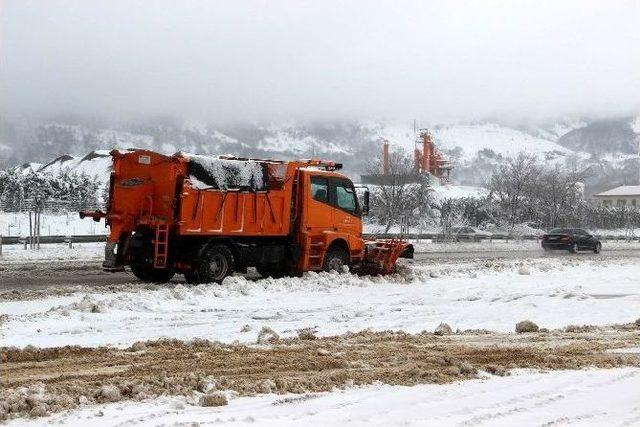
(260, 60)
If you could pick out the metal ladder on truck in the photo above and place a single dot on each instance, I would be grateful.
(161, 246)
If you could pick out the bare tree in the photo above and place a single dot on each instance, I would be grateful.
(511, 186)
(558, 194)
(400, 193)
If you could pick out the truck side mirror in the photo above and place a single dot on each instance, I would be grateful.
(365, 204)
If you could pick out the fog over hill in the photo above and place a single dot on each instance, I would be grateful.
(327, 79)
(608, 148)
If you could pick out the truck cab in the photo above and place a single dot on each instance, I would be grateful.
(331, 226)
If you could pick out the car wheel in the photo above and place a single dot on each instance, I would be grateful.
(215, 264)
(335, 260)
(597, 248)
(546, 248)
(573, 248)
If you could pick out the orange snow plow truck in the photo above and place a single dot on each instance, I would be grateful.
(208, 217)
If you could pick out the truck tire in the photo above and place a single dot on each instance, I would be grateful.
(215, 263)
(146, 273)
(335, 259)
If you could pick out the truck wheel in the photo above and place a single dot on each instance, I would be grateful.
(215, 264)
(335, 260)
(147, 273)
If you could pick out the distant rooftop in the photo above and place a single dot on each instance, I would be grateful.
(623, 190)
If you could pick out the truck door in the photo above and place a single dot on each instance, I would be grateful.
(318, 211)
(346, 215)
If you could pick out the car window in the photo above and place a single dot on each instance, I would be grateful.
(320, 189)
(346, 197)
(469, 230)
(560, 231)
(581, 232)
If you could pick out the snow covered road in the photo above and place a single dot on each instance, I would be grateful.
(494, 295)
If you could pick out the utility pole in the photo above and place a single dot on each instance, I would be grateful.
(38, 213)
(30, 231)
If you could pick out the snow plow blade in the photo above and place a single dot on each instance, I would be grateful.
(381, 255)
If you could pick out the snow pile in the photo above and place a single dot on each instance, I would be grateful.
(556, 293)
(222, 174)
(592, 396)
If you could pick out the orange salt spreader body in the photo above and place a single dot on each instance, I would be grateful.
(208, 217)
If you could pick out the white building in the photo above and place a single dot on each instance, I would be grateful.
(625, 195)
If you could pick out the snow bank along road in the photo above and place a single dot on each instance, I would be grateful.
(367, 330)
(482, 294)
(585, 397)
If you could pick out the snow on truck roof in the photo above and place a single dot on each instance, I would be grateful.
(223, 174)
(228, 172)
(623, 190)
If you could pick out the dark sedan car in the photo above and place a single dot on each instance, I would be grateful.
(571, 239)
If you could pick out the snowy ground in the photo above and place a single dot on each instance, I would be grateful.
(17, 224)
(588, 397)
(51, 252)
(493, 294)
(553, 292)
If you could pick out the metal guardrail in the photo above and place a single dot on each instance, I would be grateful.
(438, 237)
(88, 238)
(93, 238)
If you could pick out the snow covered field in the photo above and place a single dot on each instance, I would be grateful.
(553, 292)
(17, 224)
(588, 397)
(51, 252)
(491, 293)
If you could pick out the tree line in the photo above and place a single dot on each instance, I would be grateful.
(523, 193)
(65, 191)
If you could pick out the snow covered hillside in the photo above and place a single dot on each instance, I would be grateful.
(96, 164)
(474, 148)
(466, 140)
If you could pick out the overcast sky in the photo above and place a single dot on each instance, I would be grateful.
(275, 60)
